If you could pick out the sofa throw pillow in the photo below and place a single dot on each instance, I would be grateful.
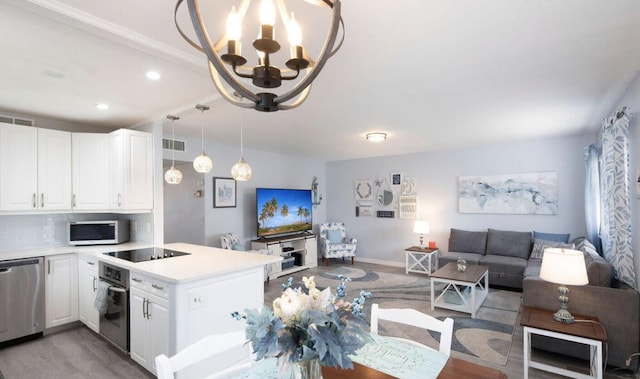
(539, 245)
(509, 243)
(334, 236)
(564, 238)
(464, 241)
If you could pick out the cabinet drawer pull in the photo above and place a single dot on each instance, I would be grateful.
(144, 308)
(33, 200)
(136, 280)
(90, 263)
(42, 200)
(73, 200)
(157, 287)
(148, 314)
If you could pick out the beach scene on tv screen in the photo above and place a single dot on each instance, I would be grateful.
(283, 211)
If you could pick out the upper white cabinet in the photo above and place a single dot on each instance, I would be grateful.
(131, 175)
(90, 162)
(35, 167)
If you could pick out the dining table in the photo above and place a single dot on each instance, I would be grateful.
(454, 368)
(388, 357)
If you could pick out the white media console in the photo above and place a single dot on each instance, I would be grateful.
(302, 247)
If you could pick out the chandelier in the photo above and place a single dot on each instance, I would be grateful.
(230, 65)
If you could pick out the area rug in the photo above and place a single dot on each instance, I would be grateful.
(487, 337)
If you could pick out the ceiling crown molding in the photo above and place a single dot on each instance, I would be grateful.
(74, 17)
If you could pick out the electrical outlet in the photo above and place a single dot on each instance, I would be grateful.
(148, 225)
(134, 226)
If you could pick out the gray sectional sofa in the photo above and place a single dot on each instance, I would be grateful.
(514, 260)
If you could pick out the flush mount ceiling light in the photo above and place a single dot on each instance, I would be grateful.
(102, 106)
(202, 164)
(376, 137)
(241, 171)
(264, 74)
(153, 75)
(173, 175)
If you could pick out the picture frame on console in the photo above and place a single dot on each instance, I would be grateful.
(224, 193)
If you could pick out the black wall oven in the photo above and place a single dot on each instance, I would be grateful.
(114, 321)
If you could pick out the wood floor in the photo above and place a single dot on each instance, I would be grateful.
(79, 353)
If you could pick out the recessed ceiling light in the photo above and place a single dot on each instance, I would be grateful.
(153, 75)
(102, 106)
(376, 137)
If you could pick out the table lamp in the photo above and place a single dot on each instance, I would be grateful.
(564, 267)
(421, 227)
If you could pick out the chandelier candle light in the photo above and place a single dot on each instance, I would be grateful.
(264, 74)
(202, 164)
(173, 175)
(564, 267)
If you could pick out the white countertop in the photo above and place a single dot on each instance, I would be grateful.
(203, 261)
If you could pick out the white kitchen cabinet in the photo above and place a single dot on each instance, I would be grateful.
(131, 175)
(149, 318)
(87, 287)
(35, 167)
(90, 165)
(61, 289)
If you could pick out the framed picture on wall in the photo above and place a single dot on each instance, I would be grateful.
(396, 178)
(224, 193)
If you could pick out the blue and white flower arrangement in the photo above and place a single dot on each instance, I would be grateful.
(308, 325)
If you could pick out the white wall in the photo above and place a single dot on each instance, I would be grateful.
(183, 211)
(272, 170)
(384, 240)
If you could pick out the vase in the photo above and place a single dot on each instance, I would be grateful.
(300, 370)
(462, 264)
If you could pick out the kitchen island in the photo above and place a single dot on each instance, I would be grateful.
(178, 300)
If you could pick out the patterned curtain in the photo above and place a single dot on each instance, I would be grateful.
(615, 226)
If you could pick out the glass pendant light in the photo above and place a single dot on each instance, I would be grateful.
(173, 175)
(202, 164)
(241, 171)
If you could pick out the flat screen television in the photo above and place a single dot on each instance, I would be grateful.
(283, 211)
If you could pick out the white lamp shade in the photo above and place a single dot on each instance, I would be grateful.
(421, 227)
(564, 266)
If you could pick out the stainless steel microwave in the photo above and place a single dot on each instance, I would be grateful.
(98, 232)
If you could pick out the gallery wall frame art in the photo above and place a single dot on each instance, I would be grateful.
(363, 190)
(524, 193)
(224, 193)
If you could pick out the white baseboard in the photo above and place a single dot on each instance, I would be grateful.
(380, 262)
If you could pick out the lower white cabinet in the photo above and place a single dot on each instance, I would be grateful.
(149, 318)
(87, 287)
(61, 289)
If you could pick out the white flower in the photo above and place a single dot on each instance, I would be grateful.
(288, 306)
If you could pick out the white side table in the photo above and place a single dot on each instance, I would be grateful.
(423, 261)
(540, 322)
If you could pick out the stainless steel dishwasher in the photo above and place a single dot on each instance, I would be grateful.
(21, 298)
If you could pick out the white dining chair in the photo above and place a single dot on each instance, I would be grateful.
(206, 348)
(414, 318)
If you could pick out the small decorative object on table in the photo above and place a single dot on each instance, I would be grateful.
(307, 329)
(462, 265)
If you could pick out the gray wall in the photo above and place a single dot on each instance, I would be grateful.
(384, 240)
(272, 170)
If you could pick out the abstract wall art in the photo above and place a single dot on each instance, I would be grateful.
(527, 193)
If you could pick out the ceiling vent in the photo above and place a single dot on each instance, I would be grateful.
(175, 145)
(17, 120)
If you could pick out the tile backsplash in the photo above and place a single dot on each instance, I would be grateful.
(18, 232)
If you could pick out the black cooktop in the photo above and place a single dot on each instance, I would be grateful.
(147, 254)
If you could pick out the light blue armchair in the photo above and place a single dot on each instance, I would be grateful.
(231, 241)
(334, 242)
